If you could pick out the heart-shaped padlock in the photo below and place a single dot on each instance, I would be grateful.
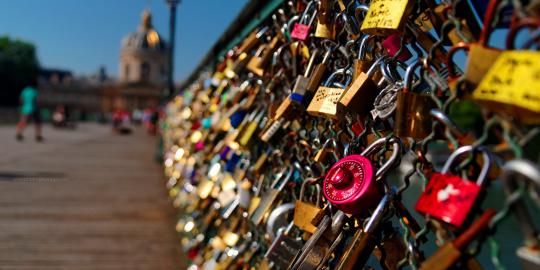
(350, 184)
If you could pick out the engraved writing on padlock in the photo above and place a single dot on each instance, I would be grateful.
(450, 198)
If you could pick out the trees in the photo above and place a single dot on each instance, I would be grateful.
(18, 68)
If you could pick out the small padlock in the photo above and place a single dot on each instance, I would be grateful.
(514, 170)
(318, 72)
(394, 44)
(386, 17)
(252, 40)
(413, 117)
(324, 102)
(326, 27)
(269, 198)
(359, 97)
(351, 184)
(258, 63)
(304, 212)
(450, 198)
(303, 27)
(301, 83)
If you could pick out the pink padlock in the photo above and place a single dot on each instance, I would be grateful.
(300, 31)
(392, 44)
(351, 184)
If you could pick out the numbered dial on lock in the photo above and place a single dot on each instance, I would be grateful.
(350, 185)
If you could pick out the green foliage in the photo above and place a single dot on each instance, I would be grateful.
(19, 67)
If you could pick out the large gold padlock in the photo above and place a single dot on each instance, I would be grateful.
(511, 86)
(413, 117)
(386, 17)
(305, 212)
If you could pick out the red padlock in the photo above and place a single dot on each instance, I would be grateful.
(393, 43)
(351, 184)
(449, 197)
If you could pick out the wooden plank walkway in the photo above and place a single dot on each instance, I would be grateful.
(84, 199)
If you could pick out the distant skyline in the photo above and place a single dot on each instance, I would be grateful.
(83, 35)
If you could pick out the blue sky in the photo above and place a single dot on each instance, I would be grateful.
(81, 35)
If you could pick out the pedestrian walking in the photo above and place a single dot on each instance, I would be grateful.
(29, 112)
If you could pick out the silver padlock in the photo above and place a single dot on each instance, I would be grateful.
(284, 248)
(515, 170)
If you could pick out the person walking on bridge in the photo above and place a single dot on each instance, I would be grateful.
(29, 112)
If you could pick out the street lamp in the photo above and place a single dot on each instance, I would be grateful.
(172, 26)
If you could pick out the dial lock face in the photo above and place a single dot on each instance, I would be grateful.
(349, 184)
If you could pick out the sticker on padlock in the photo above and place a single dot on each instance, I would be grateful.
(451, 198)
(351, 184)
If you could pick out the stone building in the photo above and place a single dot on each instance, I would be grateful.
(143, 70)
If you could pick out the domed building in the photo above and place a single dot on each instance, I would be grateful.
(142, 70)
(143, 56)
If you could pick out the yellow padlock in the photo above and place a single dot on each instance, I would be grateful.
(386, 17)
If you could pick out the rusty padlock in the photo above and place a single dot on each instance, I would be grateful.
(450, 198)
(352, 184)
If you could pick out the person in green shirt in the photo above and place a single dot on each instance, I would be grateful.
(29, 112)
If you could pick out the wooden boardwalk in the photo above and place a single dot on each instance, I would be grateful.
(84, 199)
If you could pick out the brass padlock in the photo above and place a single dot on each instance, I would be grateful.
(270, 196)
(325, 21)
(252, 40)
(481, 57)
(324, 103)
(358, 98)
(258, 64)
(304, 212)
(386, 17)
(413, 118)
(318, 72)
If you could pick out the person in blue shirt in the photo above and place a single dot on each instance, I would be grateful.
(29, 112)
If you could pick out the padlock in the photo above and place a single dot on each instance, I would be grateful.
(363, 60)
(395, 44)
(446, 256)
(515, 170)
(507, 86)
(304, 212)
(301, 83)
(326, 98)
(385, 18)
(318, 72)
(451, 198)
(413, 109)
(283, 248)
(358, 98)
(330, 146)
(481, 57)
(271, 195)
(365, 239)
(325, 21)
(302, 28)
(260, 61)
(245, 137)
(279, 218)
(252, 40)
(352, 184)
(317, 248)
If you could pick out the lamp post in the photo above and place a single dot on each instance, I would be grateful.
(172, 27)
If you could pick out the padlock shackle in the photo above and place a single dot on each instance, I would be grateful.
(423, 64)
(452, 74)
(309, 181)
(278, 212)
(515, 29)
(378, 214)
(447, 122)
(311, 62)
(486, 157)
(376, 145)
(509, 179)
(487, 28)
